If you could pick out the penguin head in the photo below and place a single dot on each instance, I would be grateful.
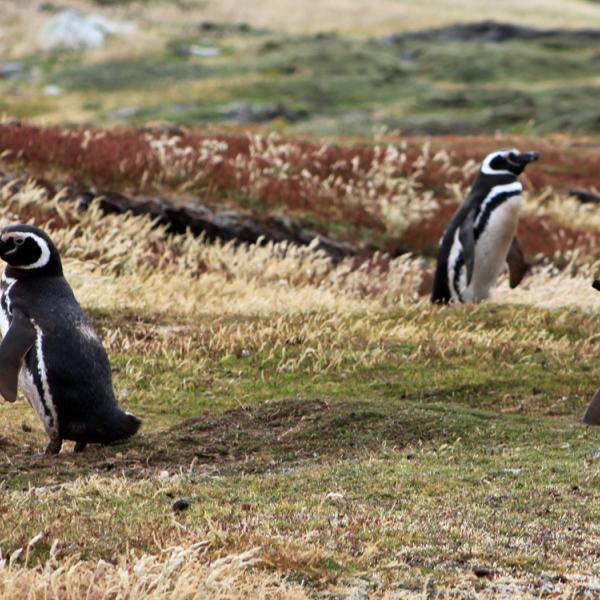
(29, 251)
(508, 161)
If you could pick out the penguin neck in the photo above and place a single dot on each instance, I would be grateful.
(52, 269)
(487, 182)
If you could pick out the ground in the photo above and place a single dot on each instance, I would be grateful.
(312, 426)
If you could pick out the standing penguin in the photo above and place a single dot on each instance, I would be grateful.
(481, 234)
(592, 413)
(50, 348)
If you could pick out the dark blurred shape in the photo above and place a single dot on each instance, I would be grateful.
(584, 196)
(592, 414)
(262, 113)
(11, 69)
(487, 31)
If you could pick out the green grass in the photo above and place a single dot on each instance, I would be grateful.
(336, 84)
(442, 462)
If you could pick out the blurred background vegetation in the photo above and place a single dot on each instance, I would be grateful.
(330, 68)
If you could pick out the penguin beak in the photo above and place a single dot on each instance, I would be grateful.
(526, 157)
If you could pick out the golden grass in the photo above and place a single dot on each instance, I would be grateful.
(177, 572)
(290, 304)
(192, 304)
(360, 16)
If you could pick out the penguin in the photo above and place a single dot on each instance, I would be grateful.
(481, 234)
(592, 413)
(50, 350)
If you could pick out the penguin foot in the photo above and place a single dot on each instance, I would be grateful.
(54, 446)
(79, 446)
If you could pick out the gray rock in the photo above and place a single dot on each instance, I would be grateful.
(72, 30)
(124, 113)
(52, 90)
(11, 70)
(261, 113)
(204, 51)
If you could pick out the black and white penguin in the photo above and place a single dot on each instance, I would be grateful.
(592, 413)
(481, 234)
(50, 349)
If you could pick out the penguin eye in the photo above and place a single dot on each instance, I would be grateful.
(19, 241)
(512, 156)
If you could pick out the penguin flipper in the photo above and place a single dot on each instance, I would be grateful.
(517, 267)
(18, 340)
(466, 236)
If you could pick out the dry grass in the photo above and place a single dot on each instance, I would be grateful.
(397, 196)
(177, 572)
(158, 19)
(333, 432)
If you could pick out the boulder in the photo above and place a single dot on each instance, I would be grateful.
(72, 30)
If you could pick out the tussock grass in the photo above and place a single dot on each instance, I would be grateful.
(331, 430)
(176, 572)
(396, 197)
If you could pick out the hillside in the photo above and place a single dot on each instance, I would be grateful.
(334, 69)
(310, 426)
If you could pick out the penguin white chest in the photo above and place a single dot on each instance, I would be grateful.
(491, 248)
(38, 394)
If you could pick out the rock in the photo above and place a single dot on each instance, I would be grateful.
(11, 69)
(213, 27)
(487, 31)
(204, 51)
(72, 30)
(123, 113)
(52, 90)
(261, 113)
(48, 7)
(195, 217)
(181, 505)
(584, 196)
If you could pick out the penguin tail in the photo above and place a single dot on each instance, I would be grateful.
(104, 428)
(124, 425)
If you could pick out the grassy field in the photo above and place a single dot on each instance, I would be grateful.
(312, 428)
(327, 71)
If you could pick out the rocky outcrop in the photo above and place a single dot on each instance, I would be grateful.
(199, 219)
(72, 30)
(489, 31)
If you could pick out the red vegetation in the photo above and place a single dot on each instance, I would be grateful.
(307, 181)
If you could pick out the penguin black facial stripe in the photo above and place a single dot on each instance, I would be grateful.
(19, 238)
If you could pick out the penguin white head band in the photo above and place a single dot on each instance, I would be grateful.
(486, 166)
(19, 238)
